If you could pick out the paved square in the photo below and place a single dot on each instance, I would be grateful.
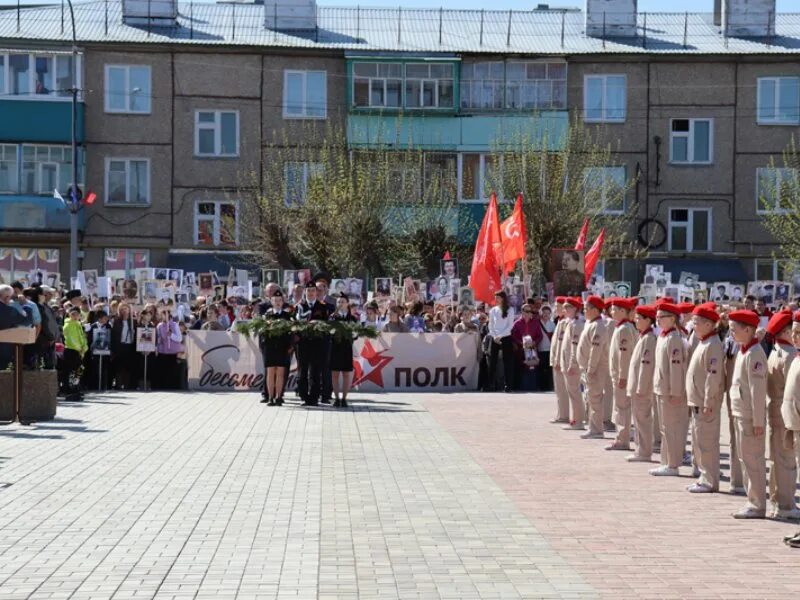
(192, 495)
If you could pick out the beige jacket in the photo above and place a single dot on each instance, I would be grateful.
(643, 364)
(749, 386)
(670, 375)
(569, 345)
(790, 410)
(778, 363)
(593, 349)
(623, 341)
(555, 343)
(705, 377)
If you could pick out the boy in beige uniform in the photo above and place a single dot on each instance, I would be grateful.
(790, 410)
(669, 385)
(623, 341)
(593, 361)
(568, 362)
(640, 383)
(783, 466)
(608, 388)
(704, 388)
(749, 407)
(562, 396)
(731, 350)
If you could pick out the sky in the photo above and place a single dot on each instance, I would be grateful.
(644, 5)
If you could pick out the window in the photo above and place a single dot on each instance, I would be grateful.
(779, 100)
(440, 176)
(216, 133)
(45, 169)
(690, 230)
(604, 98)
(17, 263)
(297, 176)
(121, 262)
(479, 176)
(482, 85)
(691, 141)
(127, 181)
(775, 189)
(769, 269)
(429, 85)
(305, 95)
(536, 85)
(36, 75)
(378, 85)
(216, 223)
(128, 89)
(605, 187)
(9, 169)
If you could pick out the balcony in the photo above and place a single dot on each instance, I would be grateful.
(460, 133)
(27, 214)
(40, 120)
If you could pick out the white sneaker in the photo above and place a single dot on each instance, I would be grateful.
(664, 471)
(592, 436)
(748, 512)
(792, 514)
(700, 488)
(633, 458)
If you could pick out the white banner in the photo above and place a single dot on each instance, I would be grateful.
(414, 362)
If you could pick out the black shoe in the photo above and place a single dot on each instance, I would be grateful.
(325, 400)
(343, 403)
(310, 403)
(264, 400)
(278, 401)
(271, 402)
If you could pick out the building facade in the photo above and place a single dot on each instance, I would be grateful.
(182, 106)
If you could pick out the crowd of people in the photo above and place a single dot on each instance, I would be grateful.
(513, 355)
(652, 373)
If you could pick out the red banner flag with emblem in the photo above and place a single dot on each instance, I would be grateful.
(486, 260)
(514, 236)
(581, 243)
(593, 255)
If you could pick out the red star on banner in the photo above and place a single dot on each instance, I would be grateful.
(369, 364)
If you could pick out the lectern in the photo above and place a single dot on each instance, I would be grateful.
(19, 336)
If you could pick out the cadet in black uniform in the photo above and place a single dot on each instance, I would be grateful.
(312, 351)
(342, 354)
(275, 351)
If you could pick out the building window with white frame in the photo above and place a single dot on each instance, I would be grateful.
(776, 187)
(216, 223)
(9, 169)
(216, 133)
(122, 262)
(536, 85)
(604, 98)
(377, 85)
(429, 85)
(127, 181)
(604, 187)
(690, 230)
(691, 141)
(297, 176)
(305, 95)
(128, 89)
(46, 168)
(482, 85)
(478, 176)
(778, 100)
(37, 76)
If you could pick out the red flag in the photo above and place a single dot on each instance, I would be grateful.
(514, 236)
(581, 243)
(485, 275)
(593, 255)
(446, 255)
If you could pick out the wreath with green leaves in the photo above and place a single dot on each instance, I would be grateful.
(278, 328)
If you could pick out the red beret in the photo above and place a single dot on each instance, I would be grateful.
(647, 311)
(707, 312)
(669, 307)
(620, 302)
(665, 299)
(797, 317)
(597, 302)
(686, 308)
(573, 301)
(561, 299)
(779, 321)
(746, 317)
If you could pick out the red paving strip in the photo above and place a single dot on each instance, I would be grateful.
(628, 533)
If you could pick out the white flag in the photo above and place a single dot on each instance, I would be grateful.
(58, 196)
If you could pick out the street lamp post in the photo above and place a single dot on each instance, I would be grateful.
(74, 204)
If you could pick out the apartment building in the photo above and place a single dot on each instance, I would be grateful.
(181, 102)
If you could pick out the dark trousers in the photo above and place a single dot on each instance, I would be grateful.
(508, 362)
(310, 365)
(124, 367)
(545, 372)
(165, 374)
(69, 365)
